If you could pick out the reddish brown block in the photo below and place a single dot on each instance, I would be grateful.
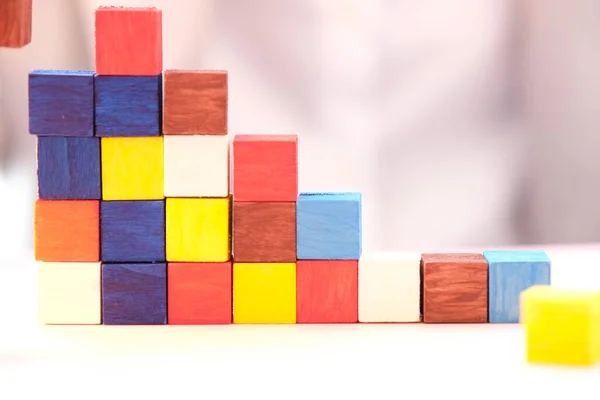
(327, 291)
(67, 230)
(265, 168)
(195, 102)
(15, 23)
(264, 232)
(128, 41)
(199, 293)
(455, 288)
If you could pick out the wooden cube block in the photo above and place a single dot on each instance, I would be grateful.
(389, 287)
(511, 272)
(198, 230)
(562, 326)
(68, 168)
(455, 288)
(61, 103)
(200, 293)
(195, 102)
(196, 166)
(265, 168)
(132, 231)
(132, 168)
(327, 291)
(264, 293)
(67, 230)
(329, 226)
(128, 41)
(69, 293)
(128, 106)
(15, 23)
(264, 232)
(134, 294)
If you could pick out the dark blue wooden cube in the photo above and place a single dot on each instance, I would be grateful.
(134, 294)
(128, 105)
(510, 272)
(69, 168)
(61, 103)
(329, 226)
(132, 231)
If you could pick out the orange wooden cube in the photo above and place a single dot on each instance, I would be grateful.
(327, 291)
(15, 23)
(67, 230)
(199, 293)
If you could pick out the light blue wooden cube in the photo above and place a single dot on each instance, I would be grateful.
(510, 273)
(329, 226)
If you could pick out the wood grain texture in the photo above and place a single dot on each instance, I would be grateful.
(455, 288)
(69, 293)
(510, 273)
(264, 293)
(132, 168)
(67, 230)
(329, 226)
(128, 41)
(128, 105)
(389, 287)
(134, 294)
(200, 293)
(197, 166)
(68, 168)
(132, 231)
(327, 292)
(195, 102)
(61, 103)
(265, 168)
(198, 230)
(264, 232)
(562, 326)
(15, 23)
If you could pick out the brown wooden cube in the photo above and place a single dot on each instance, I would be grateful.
(264, 231)
(15, 23)
(455, 288)
(195, 102)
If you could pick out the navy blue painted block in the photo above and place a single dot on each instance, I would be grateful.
(510, 273)
(61, 103)
(329, 226)
(132, 231)
(128, 105)
(134, 294)
(69, 168)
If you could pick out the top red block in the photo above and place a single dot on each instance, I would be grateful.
(128, 41)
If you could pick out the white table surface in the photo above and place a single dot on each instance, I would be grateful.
(286, 361)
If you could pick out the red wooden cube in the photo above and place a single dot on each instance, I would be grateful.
(265, 168)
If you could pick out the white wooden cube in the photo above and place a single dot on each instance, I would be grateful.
(69, 293)
(389, 287)
(196, 165)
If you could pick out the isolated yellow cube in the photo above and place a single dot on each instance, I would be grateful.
(264, 293)
(132, 168)
(562, 326)
(197, 229)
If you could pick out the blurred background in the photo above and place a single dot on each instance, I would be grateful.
(464, 123)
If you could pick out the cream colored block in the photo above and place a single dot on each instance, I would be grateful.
(389, 287)
(69, 293)
(196, 165)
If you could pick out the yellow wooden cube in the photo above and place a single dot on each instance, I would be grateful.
(264, 293)
(197, 229)
(132, 168)
(562, 326)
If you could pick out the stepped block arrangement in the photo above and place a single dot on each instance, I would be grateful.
(149, 213)
(562, 326)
